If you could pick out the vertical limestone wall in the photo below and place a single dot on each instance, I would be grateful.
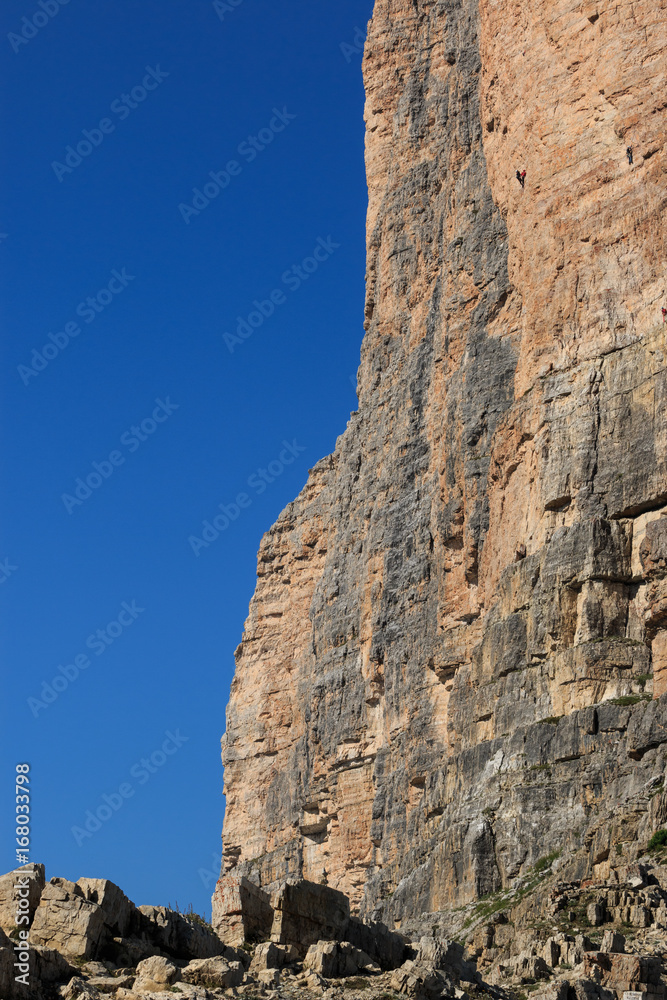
(465, 589)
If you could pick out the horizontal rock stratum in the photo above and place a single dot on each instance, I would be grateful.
(455, 660)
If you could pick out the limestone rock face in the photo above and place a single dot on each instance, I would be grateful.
(174, 933)
(304, 913)
(118, 911)
(241, 911)
(458, 625)
(66, 921)
(24, 885)
(332, 959)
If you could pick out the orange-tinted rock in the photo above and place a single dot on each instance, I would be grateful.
(241, 911)
(481, 555)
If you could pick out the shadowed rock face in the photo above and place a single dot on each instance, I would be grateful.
(426, 697)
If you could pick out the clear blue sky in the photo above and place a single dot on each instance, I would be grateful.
(140, 418)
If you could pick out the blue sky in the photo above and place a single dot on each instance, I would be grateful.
(182, 246)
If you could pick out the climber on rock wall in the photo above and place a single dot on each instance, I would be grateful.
(628, 153)
(521, 177)
(664, 315)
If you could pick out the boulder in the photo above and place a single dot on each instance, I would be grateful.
(552, 991)
(595, 913)
(159, 970)
(272, 956)
(636, 875)
(117, 910)
(572, 950)
(583, 944)
(79, 989)
(128, 952)
(621, 972)
(95, 969)
(315, 982)
(385, 947)
(586, 989)
(155, 975)
(268, 977)
(67, 922)
(551, 952)
(363, 962)
(444, 954)
(214, 972)
(323, 958)
(528, 968)
(50, 966)
(306, 912)
(421, 980)
(332, 960)
(46, 967)
(21, 887)
(241, 911)
(176, 934)
(612, 941)
(231, 954)
(109, 984)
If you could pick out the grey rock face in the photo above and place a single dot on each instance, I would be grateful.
(459, 625)
(382, 945)
(304, 913)
(174, 933)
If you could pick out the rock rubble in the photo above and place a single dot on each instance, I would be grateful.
(534, 941)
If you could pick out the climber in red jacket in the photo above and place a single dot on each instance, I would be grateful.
(664, 315)
(521, 177)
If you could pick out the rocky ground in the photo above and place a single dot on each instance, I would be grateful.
(549, 937)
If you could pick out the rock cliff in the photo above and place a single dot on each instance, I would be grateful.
(455, 660)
